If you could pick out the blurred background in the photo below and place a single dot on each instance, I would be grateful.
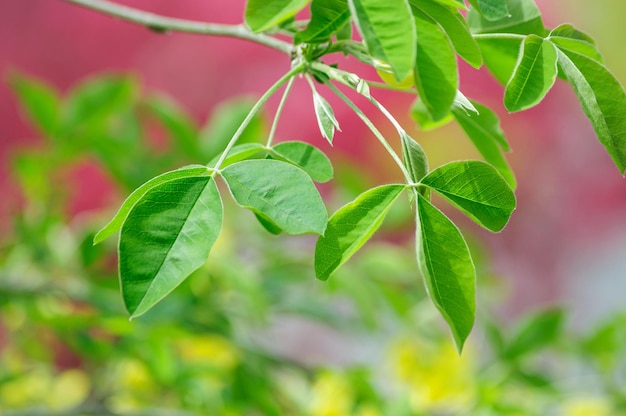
(264, 337)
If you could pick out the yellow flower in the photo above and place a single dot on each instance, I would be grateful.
(332, 395)
(587, 406)
(210, 350)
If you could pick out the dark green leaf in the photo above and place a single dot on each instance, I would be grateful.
(455, 27)
(567, 37)
(484, 131)
(351, 226)
(603, 100)
(268, 224)
(389, 32)
(414, 158)
(39, 100)
(533, 76)
(446, 264)
(167, 235)
(525, 19)
(180, 125)
(436, 73)
(326, 120)
(477, 189)
(262, 15)
(538, 331)
(327, 17)
(281, 192)
(307, 157)
(118, 220)
(491, 9)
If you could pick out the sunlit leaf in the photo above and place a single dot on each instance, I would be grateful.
(307, 157)
(477, 189)
(167, 235)
(351, 226)
(524, 18)
(446, 264)
(414, 158)
(491, 9)
(567, 37)
(327, 16)
(326, 120)
(240, 152)
(262, 15)
(280, 191)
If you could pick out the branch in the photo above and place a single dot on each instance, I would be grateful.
(162, 23)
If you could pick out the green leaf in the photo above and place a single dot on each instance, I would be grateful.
(351, 226)
(223, 124)
(500, 56)
(268, 224)
(326, 120)
(484, 131)
(446, 264)
(422, 116)
(455, 26)
(179, 124)
(388, 29)
(477, 189)
(281, 192)
(118, 220)
(567, 37)
(262, 15)
(414, 158)
(327, 17)
(167, 235)
(603, 100)
(436, 74)
(537, 332)
(525, 19)
(240, 152)
(533, 76)
(307, 157)
(39, 100)
(491, 9)
(458, 4)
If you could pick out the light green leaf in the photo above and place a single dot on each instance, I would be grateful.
(281, 192)
(603, 100)
(351, 226)
(446, 264)
(483, 129)
(525, 19)
(500, 56)
(240, 152)
(262, 15)
(167, 235)
(491, 9)
(533, 76)
(326, 120)
(436, 73)
(423, 118)
(455, 26)
(477, 189)
(179, 124)
(537, 331)
(307, 157)
(267, 223)
(458, 4)
(118, 220)
(414, 157)
(388, 29)
(40, 101)
(327, 17)
(567, 37)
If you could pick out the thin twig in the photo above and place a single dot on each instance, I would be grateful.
(162, 23)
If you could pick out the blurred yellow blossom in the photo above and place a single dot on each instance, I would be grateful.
(587, 406)
(435, 376)
(69, 389)
(210, 350)
(332, 395)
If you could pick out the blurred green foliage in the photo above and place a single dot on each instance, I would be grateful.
(252, 332)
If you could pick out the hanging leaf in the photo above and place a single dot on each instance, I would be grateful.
(118, 220)
(414, 158)
(483, 129)
(477, 189)
(166, 236)
(446, 264)
(533, 76)
(327, 17)
(603, 100)
(436, 73)
(351, 226)
(326, 120)
(262, 15)
(307, 157)
(388, 29)
(455, 26)
(281, 192)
